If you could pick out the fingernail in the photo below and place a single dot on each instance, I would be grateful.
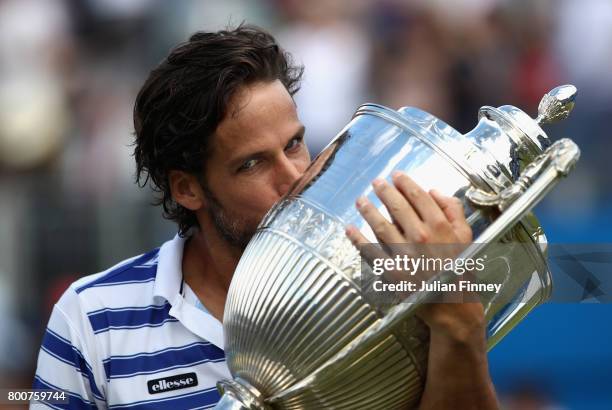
(361, 202)
(396, 174)
(378, 182)
(349, 230)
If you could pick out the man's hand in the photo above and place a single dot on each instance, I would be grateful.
(457, 374)
(423, 218)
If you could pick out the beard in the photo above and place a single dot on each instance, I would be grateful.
(235, 230)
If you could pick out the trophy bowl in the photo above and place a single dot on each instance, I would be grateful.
(300, 330)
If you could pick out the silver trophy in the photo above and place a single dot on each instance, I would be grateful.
(300, 332)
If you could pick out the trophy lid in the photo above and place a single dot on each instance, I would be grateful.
(554, 106)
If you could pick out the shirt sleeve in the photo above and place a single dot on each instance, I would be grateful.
(64, 362)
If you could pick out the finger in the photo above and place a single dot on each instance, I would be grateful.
(454, 213)
(399, 208)
(384, 230)
(372, 251)
(369, 251)
(356, 236)
(450, 205)
(427, 209)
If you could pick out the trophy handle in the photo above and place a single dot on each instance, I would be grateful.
(515, 202)
(557, 161)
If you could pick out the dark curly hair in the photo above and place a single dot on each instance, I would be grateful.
(185, 98)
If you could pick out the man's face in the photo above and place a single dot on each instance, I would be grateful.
(257, 153)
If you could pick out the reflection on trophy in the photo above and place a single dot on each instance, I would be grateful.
(300, 332)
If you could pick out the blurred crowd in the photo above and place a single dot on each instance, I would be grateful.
(70, 70)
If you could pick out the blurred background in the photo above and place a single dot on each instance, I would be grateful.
(70, 71)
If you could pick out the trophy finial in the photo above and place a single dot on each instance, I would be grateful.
(556, 104)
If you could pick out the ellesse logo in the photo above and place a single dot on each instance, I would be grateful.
(180, 381)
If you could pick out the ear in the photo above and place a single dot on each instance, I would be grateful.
(186, 190)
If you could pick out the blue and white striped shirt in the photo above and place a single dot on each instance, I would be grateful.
(126, 338)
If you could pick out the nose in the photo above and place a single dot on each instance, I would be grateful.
(287, 173)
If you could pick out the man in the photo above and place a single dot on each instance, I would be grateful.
(217, 134)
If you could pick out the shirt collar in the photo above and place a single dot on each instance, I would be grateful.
(168, 286)
(169, 269)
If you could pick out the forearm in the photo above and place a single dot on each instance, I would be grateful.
(457, 374)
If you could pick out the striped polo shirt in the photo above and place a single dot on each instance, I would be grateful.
(127, 338)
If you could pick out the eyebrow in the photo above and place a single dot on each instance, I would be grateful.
(238, 161)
